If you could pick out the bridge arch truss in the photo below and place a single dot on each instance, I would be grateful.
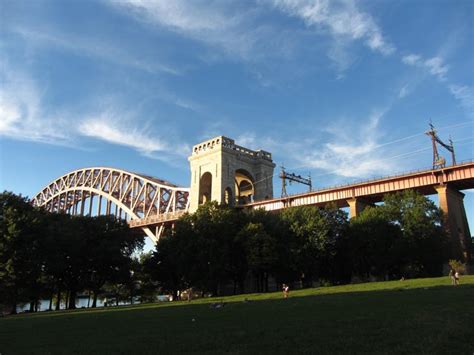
(108, 191)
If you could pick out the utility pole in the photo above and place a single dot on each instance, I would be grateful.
(439, 161)
(284, 176)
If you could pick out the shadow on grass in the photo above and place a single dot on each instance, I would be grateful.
(400, 320)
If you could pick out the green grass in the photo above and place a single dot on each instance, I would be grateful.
(425, 316)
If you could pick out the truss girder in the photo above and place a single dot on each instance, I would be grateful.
(138, 197)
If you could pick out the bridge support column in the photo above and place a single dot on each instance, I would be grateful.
(91, 201)
(356, 206)
(99, 206)
(452, 204)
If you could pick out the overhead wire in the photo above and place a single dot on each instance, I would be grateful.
(460, 124)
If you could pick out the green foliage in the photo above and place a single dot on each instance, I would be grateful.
(317, 235)
(403, 237)
(376, 244)
(261, 252)
(425, 242)
(42, 254)
(216, 250)
(203, 250)
(20, 259)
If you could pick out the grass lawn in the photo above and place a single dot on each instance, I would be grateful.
(425, 316)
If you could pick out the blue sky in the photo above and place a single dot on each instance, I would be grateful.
(341, 89)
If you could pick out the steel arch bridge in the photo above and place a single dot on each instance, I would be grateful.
(109, 191)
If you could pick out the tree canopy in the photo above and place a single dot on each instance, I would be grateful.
(217, 250)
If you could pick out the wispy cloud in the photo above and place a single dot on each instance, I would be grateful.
(465, 94)
(116, 129)
(180, 15)
(87, 46)
(435, 65)
(412, 59)
(23, 116)
(340, 19)
(354, 155)
(103, 129)
(404, 91)
(21, 113)
(251, 141)
(216, 23)
(245, 33)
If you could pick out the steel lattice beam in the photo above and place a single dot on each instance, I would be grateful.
(141, 198)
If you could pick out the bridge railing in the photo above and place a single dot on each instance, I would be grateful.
(161, 218)
(359, 182)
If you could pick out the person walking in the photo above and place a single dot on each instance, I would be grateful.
(456, 278)
(286, 290)
(451, 275)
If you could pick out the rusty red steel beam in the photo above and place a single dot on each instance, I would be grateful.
(460, 176)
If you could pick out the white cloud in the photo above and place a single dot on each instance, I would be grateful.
(435, 66)
(251, 141)
(354, 155)
(216, 23)
(404, 91)
(93, 48)
(340, 19)
(101, 129)
(340, 56)
(21, 113)
(465, 94)
(181, 15)
(244, 32)
(115, 129)
(411, 59)
(24, 117)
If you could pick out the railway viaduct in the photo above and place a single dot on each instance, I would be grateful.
(225, 172)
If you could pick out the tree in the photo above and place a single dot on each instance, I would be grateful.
(147, 286)
(402, 237)
(215, 227)
(109, 247)
(261, 253)
(317, 234)
(284, 270)
(425, 242)
(20, 257)
(174, 263)
(376, 244)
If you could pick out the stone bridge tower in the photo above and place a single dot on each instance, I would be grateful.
(227, 173)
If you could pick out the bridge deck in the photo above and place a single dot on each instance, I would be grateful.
(460, 177)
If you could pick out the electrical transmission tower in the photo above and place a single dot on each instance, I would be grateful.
(439, 161)
(284, 176)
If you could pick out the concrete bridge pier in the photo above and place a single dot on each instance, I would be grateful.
(356, 206)
(452, 204)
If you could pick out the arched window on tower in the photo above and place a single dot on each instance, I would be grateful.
(244, 187)
(205, 188)
(228, 198)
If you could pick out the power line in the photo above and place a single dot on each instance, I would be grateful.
(459, 124)
(391, 158)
